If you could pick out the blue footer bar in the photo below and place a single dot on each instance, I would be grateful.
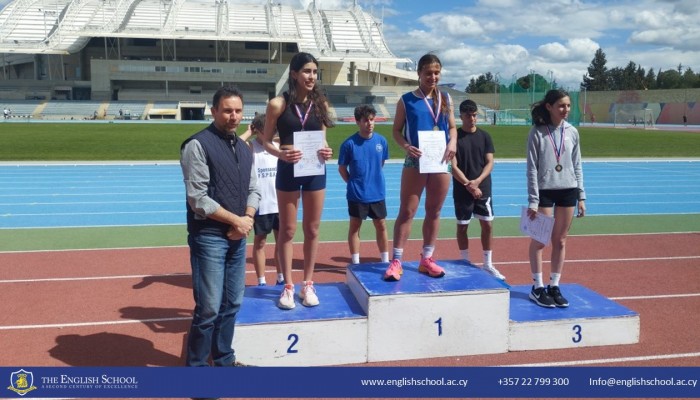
(350, 382)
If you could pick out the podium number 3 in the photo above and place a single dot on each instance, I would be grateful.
(577, 334)
(439, 324)
(294, 338)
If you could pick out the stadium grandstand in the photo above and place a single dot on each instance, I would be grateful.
(163, 59)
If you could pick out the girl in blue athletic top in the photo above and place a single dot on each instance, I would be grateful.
(424, 109)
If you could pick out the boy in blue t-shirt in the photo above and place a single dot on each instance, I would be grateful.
(360, 164)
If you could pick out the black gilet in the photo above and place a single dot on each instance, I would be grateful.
(229, 177)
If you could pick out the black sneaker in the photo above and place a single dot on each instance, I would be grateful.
(541, 297)
(559, 300)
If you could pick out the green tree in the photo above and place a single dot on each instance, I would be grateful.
(484, 83)
(690, 79)
(597, 77)
(669, 79)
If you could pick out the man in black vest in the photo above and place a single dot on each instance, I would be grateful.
(222, 198)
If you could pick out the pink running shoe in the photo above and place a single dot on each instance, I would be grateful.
(393, 273)
(429, 267)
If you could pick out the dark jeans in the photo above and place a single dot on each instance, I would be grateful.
(218, 283)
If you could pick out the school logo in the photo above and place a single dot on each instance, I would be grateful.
(21, 382)
(379, 147)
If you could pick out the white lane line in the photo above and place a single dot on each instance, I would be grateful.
(95, 323)
(658, 296)
(322, 269)
(609, 360)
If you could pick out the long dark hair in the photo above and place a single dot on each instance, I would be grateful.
(539, 112)
(424, 61)
(320, 109)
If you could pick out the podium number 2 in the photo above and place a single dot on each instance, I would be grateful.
(294, 338)
(577, 334)
(439, 324)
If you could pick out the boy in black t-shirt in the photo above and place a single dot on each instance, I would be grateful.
(471, 175)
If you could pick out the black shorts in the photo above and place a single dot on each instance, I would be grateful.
(468, 206)
(375, 210)
(558, 197)
(286, 182)
(264, 224)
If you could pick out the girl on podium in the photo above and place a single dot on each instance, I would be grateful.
(302, 108)
(554, 187)
(424, 109)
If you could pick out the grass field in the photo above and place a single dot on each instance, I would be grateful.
(156, 141)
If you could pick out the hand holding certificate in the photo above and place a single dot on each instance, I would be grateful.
(311, 163)
(432, 146)
(539, 228)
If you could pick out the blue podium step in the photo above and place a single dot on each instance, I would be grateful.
(590, 320)
(466, 312)
(334, 332)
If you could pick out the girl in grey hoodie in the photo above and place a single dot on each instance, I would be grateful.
(554, 186)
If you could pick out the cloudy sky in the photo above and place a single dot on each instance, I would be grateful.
(509, 37)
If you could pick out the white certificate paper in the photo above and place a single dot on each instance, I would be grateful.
(309, 142)
(432, 146)
(539, 228)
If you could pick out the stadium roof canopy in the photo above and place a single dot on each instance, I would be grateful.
(65, 26)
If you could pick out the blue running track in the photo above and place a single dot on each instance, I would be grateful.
(85, 195)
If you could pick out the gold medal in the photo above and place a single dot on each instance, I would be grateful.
(558, 168)
(435, 128)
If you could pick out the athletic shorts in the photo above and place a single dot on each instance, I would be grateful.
(412, 162)
(468, 206)
(376, 210)
(264, 224)
(558, 197)
(286, 182)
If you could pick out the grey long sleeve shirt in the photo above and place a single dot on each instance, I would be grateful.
(195, 171)
(542, 160)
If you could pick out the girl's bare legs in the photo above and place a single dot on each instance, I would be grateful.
(288, 203)
(436, 188)
(412, 184)
(536, 248)
(312, 202)
(562, 222)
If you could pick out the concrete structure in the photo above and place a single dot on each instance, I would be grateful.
(157, 50)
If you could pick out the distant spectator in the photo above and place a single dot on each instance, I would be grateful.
(685, 120)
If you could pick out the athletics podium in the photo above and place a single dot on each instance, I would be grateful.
(466, 312)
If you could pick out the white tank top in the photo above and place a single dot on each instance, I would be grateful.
(265, 165)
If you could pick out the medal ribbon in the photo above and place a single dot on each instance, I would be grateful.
(435, 115)
(302, 119)
(557, 152)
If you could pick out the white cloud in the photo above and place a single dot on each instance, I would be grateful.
(562, 36)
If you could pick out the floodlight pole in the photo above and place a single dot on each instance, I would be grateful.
(512, 87)
(495, 89)
(585, 92)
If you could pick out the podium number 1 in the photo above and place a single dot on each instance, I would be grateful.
(439, 324)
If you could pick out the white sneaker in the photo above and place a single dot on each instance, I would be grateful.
(493, 271)
(286, 301)
(308, 295)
